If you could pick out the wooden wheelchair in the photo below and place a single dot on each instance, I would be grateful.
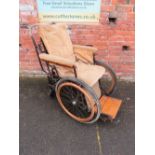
(81, 83)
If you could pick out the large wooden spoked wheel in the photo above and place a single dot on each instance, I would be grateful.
(76, 102)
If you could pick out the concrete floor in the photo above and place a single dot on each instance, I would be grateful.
(46, 130)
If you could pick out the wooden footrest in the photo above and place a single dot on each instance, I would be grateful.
(110, 106)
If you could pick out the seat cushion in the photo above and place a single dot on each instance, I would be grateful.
(89, 73)
(86, 72)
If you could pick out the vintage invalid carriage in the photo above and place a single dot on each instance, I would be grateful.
(81, 83)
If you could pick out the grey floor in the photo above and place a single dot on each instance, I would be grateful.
(46, 130)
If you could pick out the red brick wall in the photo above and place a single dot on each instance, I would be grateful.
(115, 41)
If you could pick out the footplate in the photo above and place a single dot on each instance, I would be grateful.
(110, 106)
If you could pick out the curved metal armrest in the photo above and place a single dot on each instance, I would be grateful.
(56, 60)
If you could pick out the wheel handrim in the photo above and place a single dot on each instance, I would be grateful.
(107, 82)
(112, 79)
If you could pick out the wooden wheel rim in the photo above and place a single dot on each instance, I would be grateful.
(91, 102)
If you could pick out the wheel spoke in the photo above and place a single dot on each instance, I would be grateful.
(66, 90)
(66, 101)
(69, 89)
(80, 112)
(66, 96)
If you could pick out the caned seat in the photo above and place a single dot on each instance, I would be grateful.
(64, 55)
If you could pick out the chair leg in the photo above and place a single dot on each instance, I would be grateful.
(52, 92)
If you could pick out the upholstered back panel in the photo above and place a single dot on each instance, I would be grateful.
(57, 40)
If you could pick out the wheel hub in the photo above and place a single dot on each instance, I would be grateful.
(74, 102)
